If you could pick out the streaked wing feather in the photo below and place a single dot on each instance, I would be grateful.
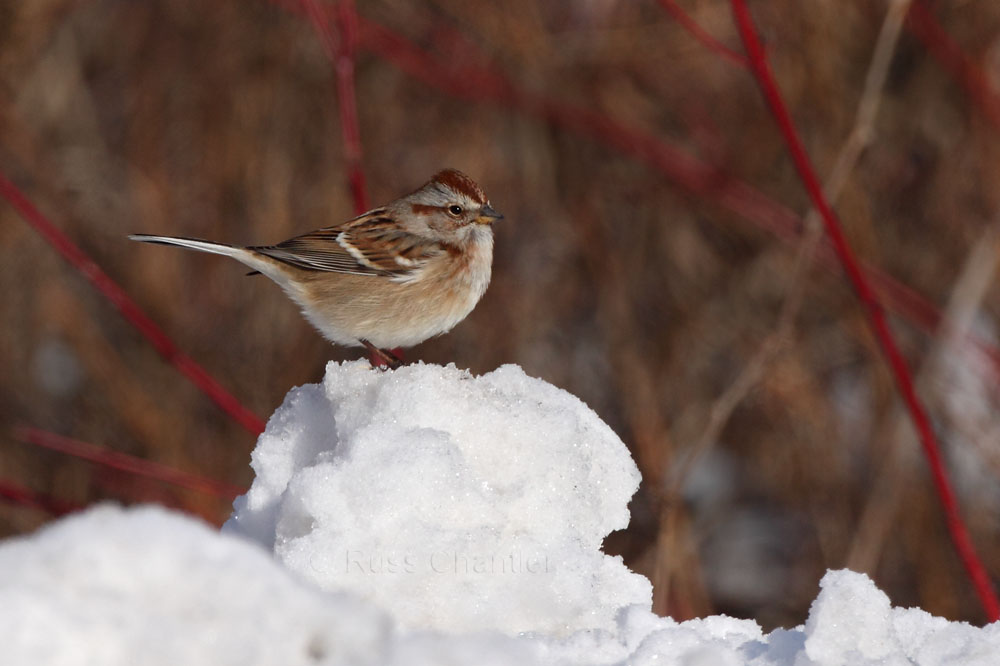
(368, 245)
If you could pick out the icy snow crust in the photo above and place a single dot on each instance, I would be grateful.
(363, 482)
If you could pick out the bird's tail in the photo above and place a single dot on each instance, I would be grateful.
(248, 257)
(192, 244)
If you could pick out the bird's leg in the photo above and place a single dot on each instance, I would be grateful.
(381, 357)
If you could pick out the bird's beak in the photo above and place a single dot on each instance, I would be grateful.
(487, 215)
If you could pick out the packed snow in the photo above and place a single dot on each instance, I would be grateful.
(417, 516)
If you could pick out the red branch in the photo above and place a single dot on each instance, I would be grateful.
(901, 373)
(342, 56)
(702, 35)
(132, 313)
(18, 494)
(925, 26)
(125, 463)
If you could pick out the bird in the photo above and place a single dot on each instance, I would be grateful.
(391, 277)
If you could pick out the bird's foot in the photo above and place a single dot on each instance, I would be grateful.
(382, 358)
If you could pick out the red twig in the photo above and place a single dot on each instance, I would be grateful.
(925, 26)
(702, 35)
(135, 316)
(126, 463)
(342, 53)
(18, 494)
(901, 373)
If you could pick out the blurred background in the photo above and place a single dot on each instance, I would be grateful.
(653, 260)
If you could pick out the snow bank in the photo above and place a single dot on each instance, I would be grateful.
(117, 587)
(361, 482)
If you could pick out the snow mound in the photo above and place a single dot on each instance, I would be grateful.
(454, 502)
(853, 622)
(148, 586)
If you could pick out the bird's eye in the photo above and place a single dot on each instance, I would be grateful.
(454, 210)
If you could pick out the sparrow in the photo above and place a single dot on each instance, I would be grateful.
(389, 278)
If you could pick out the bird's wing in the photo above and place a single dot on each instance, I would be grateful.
(369, 245)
